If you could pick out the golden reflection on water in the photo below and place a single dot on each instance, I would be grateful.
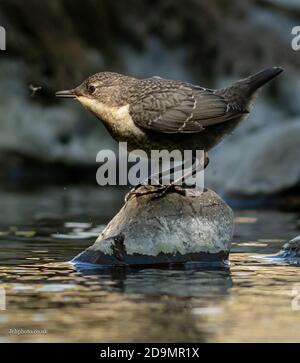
(250, 301)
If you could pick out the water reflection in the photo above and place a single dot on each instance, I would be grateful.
(121, 304)
(186, 282)
(250, 301)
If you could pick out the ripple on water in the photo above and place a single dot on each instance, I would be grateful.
(251, 300)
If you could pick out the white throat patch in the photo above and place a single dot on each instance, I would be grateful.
(117, 118)
(106, 113)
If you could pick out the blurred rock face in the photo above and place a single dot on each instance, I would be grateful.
(57, 44)
(62, 41)
(45, 133)
(264, 162)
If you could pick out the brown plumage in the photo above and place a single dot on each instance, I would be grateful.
(156, 113)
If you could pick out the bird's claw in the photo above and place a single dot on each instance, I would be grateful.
(158, 191)
(145, 189)
(170, 188)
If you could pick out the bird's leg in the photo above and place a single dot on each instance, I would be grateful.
(157, 177)
(197, 168)
(148, 185)
(179, 185)
(206, 160)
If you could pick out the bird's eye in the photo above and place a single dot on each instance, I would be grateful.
(91, 89)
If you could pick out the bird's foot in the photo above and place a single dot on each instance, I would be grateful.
(170, 188)
(147, 187)
(158, 191)
(142, 189)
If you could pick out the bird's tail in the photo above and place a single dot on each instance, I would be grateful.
(258, 79)
(241, 94)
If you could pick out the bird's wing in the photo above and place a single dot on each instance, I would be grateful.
(181, 109)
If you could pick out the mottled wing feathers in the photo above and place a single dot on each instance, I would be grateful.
(179, 108)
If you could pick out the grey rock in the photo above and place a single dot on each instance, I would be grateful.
(261, 162)
(289, 253)
(292, 4)
(291, 249)
(156, 60)
(58, 133)
(290, 90)
(172, 229)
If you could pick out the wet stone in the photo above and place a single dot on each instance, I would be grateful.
(291, 249)
(173, 229)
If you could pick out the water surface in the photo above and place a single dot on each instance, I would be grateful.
(51, 301)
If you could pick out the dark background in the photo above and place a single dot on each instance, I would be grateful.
(56, 44)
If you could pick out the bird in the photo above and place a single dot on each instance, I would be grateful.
(161, 114)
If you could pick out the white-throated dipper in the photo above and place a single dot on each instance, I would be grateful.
(156, 113)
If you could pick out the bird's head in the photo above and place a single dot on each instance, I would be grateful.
(101, 89)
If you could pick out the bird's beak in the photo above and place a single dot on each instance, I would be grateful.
(66, 94)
